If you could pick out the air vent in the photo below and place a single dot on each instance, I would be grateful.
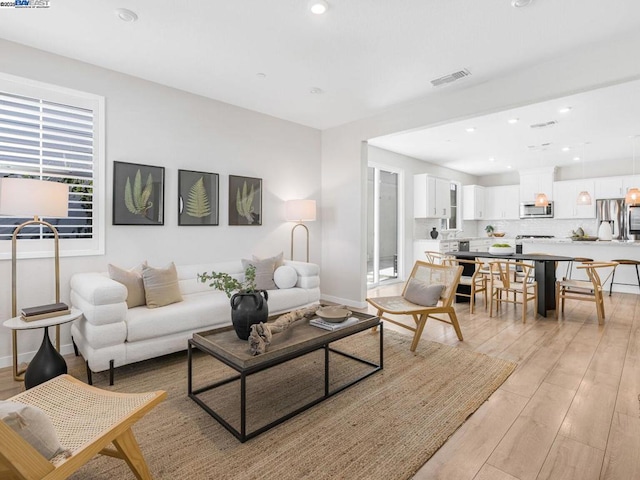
(452, 77)
(543, 124)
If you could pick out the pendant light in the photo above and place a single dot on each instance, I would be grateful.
(584, 198)
(633, 194)
(541, 200)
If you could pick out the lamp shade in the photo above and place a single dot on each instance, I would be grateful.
(632, 197)
(541, 200)
(300, 210)
(584, 198)
(26, 197)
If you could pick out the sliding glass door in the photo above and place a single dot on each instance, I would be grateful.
(383, 224)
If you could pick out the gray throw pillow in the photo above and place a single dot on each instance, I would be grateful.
(161, 286)
(422, 293)
(132, 279)
(32, 424)
(264, 270)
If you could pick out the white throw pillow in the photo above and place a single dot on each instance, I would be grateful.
(32, 424)
(421, 293)
(285, 277)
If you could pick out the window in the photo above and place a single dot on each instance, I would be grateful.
(54, 134)
(453, 222)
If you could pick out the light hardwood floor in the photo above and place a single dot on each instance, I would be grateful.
(571, 409)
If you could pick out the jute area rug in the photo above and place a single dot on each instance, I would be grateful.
(385, 427)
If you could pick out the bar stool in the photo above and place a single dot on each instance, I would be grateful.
(579, 260)
(625, 261)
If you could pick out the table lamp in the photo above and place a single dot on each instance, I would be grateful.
(25, 197)
(300, 211)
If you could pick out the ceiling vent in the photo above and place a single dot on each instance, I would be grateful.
(543, 124)
(452, 77)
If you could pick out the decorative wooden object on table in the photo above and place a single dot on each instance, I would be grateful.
(262, 333)
(428, 274)
(87, 420)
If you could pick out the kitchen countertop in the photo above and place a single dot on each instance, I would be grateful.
(596, 243)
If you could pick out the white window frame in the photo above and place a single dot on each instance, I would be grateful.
(76, 246)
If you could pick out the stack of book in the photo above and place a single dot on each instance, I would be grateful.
(320, 323)
(30, 314)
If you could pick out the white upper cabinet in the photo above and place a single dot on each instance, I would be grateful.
(565, 196)
(473, 202)
(609, 187)
(536, 181)
(431, 197)
(502, 202)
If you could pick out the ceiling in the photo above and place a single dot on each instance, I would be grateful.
(601, 125)
(365, 55)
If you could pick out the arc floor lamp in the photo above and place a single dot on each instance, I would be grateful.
(300, 211)
(25, 197)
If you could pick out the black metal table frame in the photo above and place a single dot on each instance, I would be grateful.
(242, 434)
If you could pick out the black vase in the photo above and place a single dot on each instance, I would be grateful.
(434, 233)
(248, 309)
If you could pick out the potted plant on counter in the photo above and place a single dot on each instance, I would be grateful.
(248, 305)
(489, 229)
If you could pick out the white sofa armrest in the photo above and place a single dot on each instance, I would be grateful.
(102, 300)
(308, 274)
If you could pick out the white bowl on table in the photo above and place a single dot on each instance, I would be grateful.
(502, 250)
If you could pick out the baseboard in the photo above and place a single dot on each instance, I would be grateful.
(25, 357)
(344, 301)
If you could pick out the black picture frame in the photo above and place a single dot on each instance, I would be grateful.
(138, 194)
(198, 198)
(245, 200)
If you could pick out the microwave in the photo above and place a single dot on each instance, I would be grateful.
(634, 220)
(531, 210)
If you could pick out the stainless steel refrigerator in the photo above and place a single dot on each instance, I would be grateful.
(613, 210)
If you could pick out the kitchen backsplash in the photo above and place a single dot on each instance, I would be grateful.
(559, 228)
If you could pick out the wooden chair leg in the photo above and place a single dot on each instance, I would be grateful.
(454, 321)
(418, 333)
(379, 315)
(525, 304)
(557, 298)
(127, 445)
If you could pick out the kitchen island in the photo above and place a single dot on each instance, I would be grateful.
(602, 251)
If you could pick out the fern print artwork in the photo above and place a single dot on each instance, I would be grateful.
(137, 200)
(197, 198)
(138, 194)
(245, 200)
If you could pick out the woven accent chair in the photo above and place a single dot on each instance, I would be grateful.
(477, 281)
(443, 311)
(86, 420)
(502, 284)
(587, 290)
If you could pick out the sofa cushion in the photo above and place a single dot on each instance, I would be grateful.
(161, 286)
(132, 279)
(32, 424)
(265, 269)
(422, 293)
(285, 277)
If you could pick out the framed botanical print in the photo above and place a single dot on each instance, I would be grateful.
(138, 194)
(197, 198)
(245, 200)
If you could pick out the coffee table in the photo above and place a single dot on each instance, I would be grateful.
(300, 339)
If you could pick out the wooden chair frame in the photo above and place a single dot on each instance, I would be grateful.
(501, 283)
(435, 257)
(477, 282)
(19, 460)
(586, 290)
(447, 275)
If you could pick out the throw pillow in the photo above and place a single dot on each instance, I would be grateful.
(422, 293)
(285, 277)
(265, 269)
(32, 424)
(161, 286)
(132, 279)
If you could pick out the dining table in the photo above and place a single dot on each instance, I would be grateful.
(544, 272)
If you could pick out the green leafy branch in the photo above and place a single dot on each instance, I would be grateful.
(137, 199)
(225, 282)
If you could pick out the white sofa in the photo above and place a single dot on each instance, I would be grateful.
(109, 335)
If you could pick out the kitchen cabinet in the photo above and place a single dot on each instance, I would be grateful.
(566, 193)
(502, 202)
(483, 244)
(431, 197)
(442, 246)
(473, 202)
(536, 181)
(609, 187)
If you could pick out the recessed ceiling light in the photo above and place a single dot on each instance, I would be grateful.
(513, 120)
(520, 3)
(576, 159)
(492, 159)
(471, 129)
(318, 7)
(566, 149)
(509, 167)
(261, 75)
(126, 15)
(316, 91)
(565, 110)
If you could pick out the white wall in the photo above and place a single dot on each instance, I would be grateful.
(156, 125)
(344, 164)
